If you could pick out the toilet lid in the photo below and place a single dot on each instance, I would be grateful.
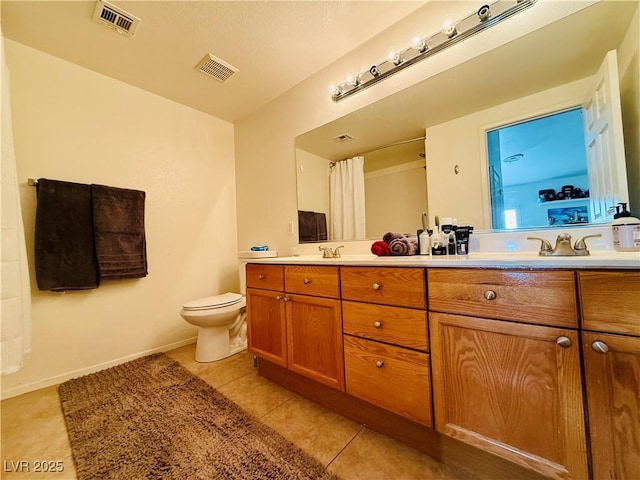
(215, 301)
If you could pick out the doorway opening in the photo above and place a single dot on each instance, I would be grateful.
(538, 172)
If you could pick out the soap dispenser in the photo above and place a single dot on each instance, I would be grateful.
(626, 230)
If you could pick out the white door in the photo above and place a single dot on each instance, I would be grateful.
(605, 142)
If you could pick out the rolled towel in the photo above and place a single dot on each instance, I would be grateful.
(399, 246)
(380, 248)
(390, 236)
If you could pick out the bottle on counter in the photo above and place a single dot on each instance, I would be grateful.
(449, 235)
(626, 230)
(424, 241)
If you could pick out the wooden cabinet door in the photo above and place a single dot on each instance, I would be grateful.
(266, 325)
(314, 338)
(612, 374)
(510, 389)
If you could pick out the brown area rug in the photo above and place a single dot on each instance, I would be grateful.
(152, 419)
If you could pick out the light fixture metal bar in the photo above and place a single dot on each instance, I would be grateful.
(500, 10)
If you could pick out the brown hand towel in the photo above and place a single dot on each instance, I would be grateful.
(64, 245)
(118, 222)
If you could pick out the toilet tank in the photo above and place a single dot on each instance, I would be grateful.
(246, 256)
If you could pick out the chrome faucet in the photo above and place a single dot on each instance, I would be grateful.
(563, 246)
(328, 252)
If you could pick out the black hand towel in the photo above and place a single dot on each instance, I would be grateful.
(307, 228)
(321, 226)
(64, 245)
(312, 226)
(118, 222)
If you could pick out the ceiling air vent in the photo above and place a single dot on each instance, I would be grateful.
(115, 17)
(216, 68)
(343, 137)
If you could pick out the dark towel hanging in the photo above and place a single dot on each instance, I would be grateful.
(312, 226)
(307, 226)
(118, 222)
(321, 226)
(65, 257)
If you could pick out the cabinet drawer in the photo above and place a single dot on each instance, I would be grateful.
(541, 297)
(320, 281)
(403, 287)
(610, 301)
(394, 378)
(268, 277)
(404, 327)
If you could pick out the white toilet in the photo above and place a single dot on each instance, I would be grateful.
(221, 319)
(222, 326)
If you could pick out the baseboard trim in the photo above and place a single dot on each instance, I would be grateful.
(58, 379)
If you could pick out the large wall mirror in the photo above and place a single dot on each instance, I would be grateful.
(427, 148)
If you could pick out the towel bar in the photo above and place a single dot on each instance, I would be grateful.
(32, 182)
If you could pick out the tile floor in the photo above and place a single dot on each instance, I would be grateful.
(33, 428)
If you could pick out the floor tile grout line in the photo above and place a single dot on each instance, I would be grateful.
(362, 428)
(287, 400)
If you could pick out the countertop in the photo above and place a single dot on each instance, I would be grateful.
(597, 259)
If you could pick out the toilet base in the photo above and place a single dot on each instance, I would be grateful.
(213, 344)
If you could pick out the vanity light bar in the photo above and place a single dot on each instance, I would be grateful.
(421, 48)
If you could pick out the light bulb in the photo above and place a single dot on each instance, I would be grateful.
(419, 44)
(395, 58)
(449, 28)
(352, 80)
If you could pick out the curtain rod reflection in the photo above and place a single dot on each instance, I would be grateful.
(381, 147)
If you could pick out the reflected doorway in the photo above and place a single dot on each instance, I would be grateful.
(538, 172)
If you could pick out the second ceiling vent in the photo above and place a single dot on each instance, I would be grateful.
(216, 68)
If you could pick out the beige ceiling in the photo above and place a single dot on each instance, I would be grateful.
(274, 44)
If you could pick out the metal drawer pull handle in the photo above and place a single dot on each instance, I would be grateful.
(278, 297)
(490, 295)
(287, 299)
(377, 324)
(376, 286)
(260, 277)
(600, 347)
(564, 342)
(379, 363)
(306, 281)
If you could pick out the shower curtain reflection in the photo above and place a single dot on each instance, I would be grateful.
(347, 200)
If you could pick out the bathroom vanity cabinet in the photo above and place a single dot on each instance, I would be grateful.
(266, 321)
(314, 323)
(506, 365)
(294, 319)
(386, 341)
(610, 303)
(520, 372)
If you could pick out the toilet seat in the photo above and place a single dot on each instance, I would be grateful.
(213, 302)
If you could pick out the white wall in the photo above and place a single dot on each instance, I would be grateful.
(395, 196)
(629, 68)
(313, 182)
(76, 125)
